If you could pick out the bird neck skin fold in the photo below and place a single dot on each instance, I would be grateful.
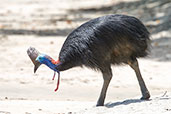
(52, 64)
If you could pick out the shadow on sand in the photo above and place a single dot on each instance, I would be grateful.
(49, 32)
(125, 102)
(132, 101)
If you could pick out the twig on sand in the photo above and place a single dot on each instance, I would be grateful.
(164, 94)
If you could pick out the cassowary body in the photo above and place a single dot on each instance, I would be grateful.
(101, 42)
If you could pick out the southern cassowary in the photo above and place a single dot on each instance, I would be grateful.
(99, 43)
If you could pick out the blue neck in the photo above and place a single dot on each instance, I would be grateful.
(51, 65)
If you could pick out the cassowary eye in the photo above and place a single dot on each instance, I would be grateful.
(40, 58)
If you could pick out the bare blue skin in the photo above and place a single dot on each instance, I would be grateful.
(45, 59)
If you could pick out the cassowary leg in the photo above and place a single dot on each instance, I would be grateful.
(107, 76)
(145, 93)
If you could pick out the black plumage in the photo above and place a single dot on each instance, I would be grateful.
(107, 40)
(111, 39)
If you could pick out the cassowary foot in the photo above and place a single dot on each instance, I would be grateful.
(145, 96)
(99, 104)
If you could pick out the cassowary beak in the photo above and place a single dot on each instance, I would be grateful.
(33, 54)
(36, 66)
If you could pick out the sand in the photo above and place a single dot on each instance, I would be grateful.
(45, 26)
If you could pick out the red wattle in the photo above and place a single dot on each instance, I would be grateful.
(58, 82)
(54, 76)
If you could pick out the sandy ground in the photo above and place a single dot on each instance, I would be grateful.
(45, 26)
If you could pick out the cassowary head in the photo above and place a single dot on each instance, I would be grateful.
(41, 59)
(38, 59)
(47, 60)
